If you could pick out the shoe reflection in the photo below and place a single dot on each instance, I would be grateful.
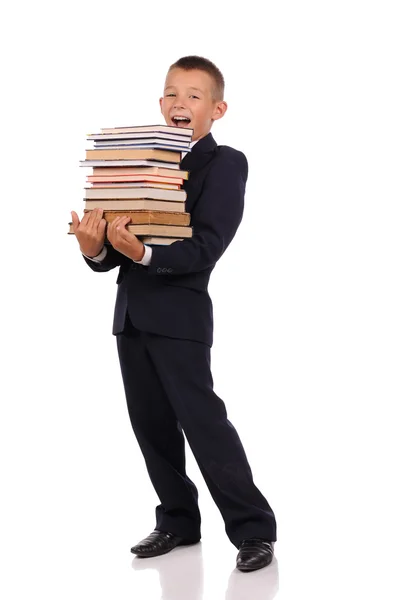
(261, 584)
(181, 577)
(181, 572)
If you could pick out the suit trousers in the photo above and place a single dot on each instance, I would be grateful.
(169, 390)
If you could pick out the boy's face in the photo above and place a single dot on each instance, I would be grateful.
(189, 94)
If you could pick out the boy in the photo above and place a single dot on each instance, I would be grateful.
(163, 324)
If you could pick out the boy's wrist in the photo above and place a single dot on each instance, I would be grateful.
(92, 255)
(140, 254)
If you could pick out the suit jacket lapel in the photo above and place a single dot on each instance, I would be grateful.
(201, 153)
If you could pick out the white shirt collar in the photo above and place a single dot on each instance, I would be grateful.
(183, 154)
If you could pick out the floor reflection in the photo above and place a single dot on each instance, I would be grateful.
(181, 577)
(256, 585)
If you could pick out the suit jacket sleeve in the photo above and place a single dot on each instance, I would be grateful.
(113, 259)
(215, 220)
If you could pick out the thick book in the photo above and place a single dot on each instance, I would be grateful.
(131, 153)
(148, 217)
(161, 230)
(124, 184)
(134, 192)
(146, 142)
(154, 230)
(138, 204)
(141, 146)
(137, 163)
(146, 171)
(113, 178)
(99, 137)
(150, 240)
(186, 132)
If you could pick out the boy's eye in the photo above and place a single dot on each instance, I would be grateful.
(192, 96)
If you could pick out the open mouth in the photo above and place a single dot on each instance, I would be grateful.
(181, 121)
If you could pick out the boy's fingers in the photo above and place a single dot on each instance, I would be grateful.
(75, 220)
(116, 229)
(121, 227)
(114, 224)
(85, 219)
(99, 214)
(102, 226)
(111, 227)
(93, 221)
(91, 218)
(124, 233)
(123, 221)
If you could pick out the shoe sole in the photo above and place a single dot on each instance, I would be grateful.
(160, 553)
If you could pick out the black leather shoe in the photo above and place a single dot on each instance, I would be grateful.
(159, 542)
(254, 553)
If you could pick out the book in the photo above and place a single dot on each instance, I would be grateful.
(147, 217)
(141, 146)
(129, 163)
(186, 132)
(133, 153)
(161, 230)
(154, 230)
(115, 184)
(146, 142)
(139, 136)
(138, 177)
(136, 204)
(132, 192)
(146, 171)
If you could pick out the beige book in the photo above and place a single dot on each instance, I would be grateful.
(157, 171)
(136, 204)
(102, 193)
(161, 230)
(185, 132)
(133, 153)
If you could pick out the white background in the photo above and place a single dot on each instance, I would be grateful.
(305, 299)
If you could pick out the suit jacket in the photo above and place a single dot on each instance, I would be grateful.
(170, 296)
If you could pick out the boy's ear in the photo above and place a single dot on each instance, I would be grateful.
(219, 110)
(160, 103)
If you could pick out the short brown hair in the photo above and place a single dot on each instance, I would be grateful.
(189, 63)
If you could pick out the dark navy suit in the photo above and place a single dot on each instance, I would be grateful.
(163, 323)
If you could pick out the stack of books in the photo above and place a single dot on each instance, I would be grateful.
(136, 173)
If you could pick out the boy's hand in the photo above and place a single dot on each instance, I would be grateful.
(90, 231)
(124, 241)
